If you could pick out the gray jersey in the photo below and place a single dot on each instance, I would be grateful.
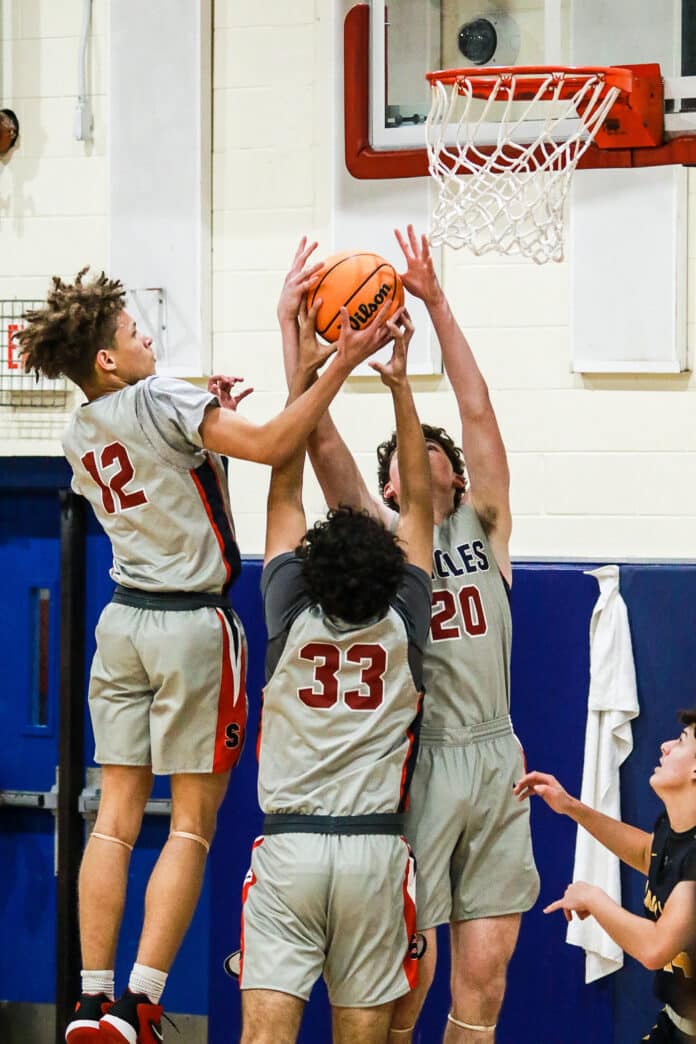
(341, 703)
(467, 660)
(137, 456)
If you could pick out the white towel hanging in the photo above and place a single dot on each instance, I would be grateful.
(612, 704)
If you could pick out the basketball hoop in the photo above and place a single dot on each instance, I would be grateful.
(517, 134)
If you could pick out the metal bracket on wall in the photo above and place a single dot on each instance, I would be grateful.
(88, 803)
(45, 800)
(90, 797)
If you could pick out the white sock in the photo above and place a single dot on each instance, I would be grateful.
(148, 981)
(98, 982)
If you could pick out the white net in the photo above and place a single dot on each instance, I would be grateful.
(503, 163)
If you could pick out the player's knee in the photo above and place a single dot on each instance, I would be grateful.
(125, 791)
(196, 802)
(253, 1033)
(121, 824)
(269, 1019)
(480, 981)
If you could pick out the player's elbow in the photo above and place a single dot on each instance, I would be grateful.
(276, 456)
(270, 450)
(476, 405)
(654, 956)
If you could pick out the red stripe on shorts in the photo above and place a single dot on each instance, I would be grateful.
(409, 889)
(241, 691)
(231, 720)
(249, 880)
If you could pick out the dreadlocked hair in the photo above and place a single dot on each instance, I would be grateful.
(78, 320)
(386, 450)
(351, 565)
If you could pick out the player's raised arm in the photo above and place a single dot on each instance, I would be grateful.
(286, 522)
(225, 431)
(415, 525)
(629, 843)
(333, 463)
(482, 443)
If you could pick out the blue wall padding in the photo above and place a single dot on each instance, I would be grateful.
(29, 558)
(547, 1001)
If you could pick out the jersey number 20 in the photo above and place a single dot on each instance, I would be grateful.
(445, 619)
(327, 664)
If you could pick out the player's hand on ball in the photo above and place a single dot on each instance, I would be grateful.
(577, 899)
(222, 386)
(419, 277)
(401, 329)
(354, 346)
(546, 787)
(313, 354)
(297, 282)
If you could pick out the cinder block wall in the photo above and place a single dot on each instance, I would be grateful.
(601, 467)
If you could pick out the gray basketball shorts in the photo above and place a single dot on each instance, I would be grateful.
(469, 833)
(168, 689)
(343, 906)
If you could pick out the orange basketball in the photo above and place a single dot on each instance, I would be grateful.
(361, 282)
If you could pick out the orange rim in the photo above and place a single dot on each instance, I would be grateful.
(529, 79)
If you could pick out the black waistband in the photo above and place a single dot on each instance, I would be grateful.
(174, 601)
(377, 823)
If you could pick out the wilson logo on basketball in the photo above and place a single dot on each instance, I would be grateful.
(366, 310)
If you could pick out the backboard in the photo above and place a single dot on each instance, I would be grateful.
(391, 45)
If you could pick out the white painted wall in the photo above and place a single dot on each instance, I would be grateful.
(601, 467)
(53, 188)
(159, 173)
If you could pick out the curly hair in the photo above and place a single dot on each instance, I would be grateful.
(78, 320)
(351, 564)
(385, 452)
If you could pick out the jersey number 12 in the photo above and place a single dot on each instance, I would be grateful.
(113, 486)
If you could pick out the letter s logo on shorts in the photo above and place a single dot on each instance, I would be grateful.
(232, 735)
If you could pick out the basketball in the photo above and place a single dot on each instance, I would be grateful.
(362, 282)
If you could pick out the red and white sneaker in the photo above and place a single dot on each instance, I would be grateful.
(133, 1019)
(83, 1028)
